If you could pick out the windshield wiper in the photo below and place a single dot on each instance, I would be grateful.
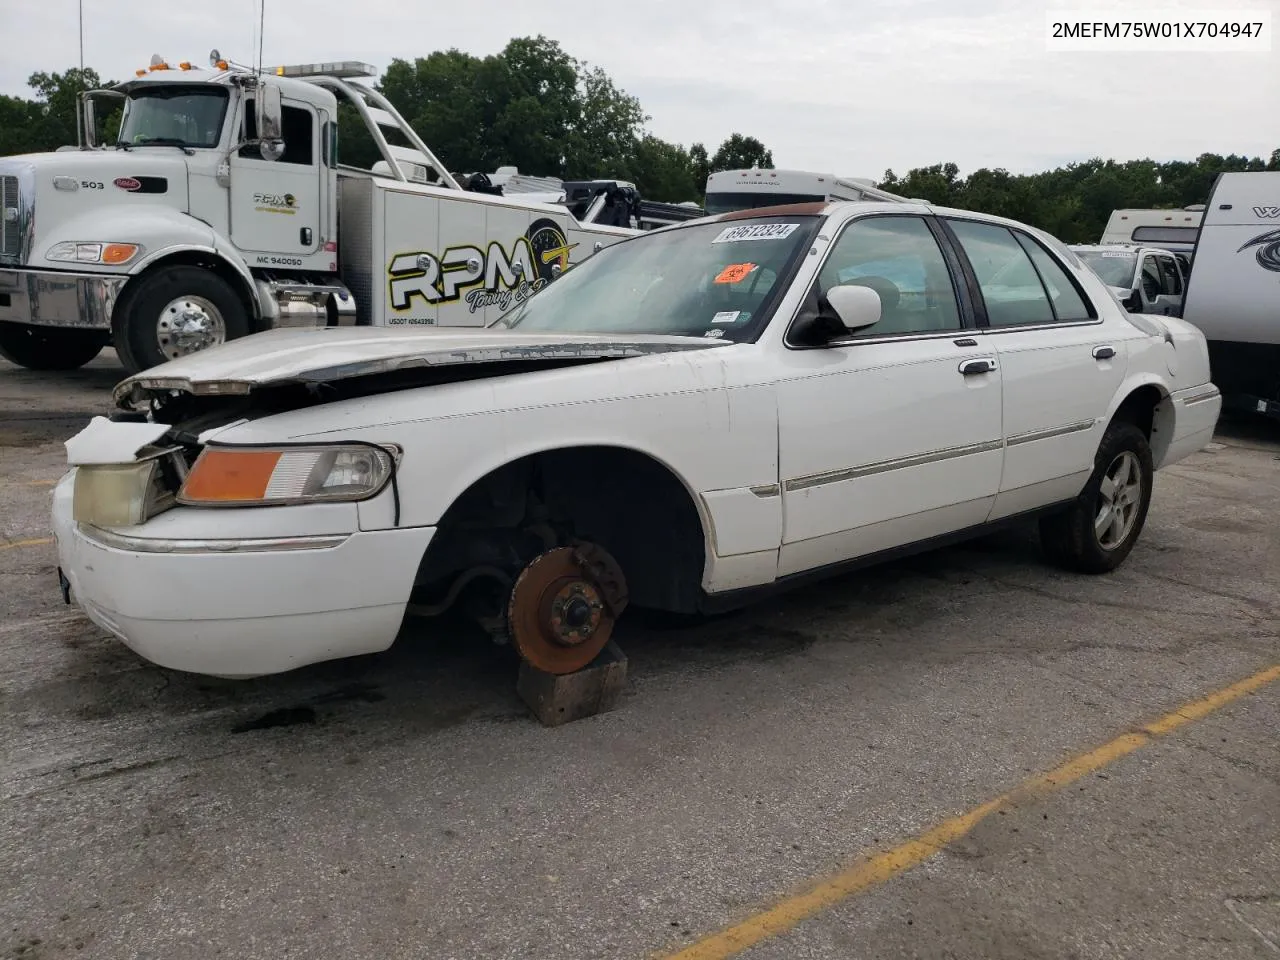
(121, 145)
(166, 142)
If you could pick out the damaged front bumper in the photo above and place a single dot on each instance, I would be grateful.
(240, 592)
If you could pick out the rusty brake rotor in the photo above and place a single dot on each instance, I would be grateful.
(563, 607)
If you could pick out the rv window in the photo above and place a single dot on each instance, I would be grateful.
(1157, 235)
(717, 203)
(1171, 281)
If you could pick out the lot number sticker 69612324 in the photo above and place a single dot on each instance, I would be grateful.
(756, 231)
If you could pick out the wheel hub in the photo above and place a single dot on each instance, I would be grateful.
(1119, 497)
(188, 324)
(563, 607)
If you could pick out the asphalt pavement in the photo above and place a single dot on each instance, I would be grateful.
(967, 754)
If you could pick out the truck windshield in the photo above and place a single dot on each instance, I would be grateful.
(718, 280)
(1114, 267)
(183, 115)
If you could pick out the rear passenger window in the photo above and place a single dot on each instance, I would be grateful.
(1064, 297)
(1011, 288)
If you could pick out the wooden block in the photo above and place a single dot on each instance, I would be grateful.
(556, 699)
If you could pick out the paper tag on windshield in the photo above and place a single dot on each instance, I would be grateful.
(726, 316)
(756, 231)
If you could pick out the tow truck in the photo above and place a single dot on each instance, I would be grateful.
(224, 209)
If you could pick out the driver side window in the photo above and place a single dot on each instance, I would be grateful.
(297, 129)
(898, 257)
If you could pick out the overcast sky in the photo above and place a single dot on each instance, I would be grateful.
(847, 86)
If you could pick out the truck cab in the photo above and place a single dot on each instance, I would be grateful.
(1143, 279)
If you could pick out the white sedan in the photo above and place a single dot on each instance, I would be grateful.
(682, 422)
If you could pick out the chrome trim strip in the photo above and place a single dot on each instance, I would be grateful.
(120, 541)
(884, 466)
(1203, 397)
(766, 491)
(1062, 431)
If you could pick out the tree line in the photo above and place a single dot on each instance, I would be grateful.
(534, 106)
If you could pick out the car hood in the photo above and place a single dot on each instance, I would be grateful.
(329, 354)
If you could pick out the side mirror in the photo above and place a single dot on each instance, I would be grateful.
(855, 306)
(268, 117)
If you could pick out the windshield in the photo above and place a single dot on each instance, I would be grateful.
(717, 280)
(718, 203)
(1114, 267)
(181, 115)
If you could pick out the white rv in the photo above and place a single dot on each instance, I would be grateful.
(1172, 230)
(730, 190)
(1234, 294)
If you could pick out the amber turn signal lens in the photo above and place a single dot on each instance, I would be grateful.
(118, 252)
(230, 476)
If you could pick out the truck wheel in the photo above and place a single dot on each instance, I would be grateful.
(175, 312)
(49, 348)
(1097, 532)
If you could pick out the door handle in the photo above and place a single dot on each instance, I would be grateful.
(304, 236)
(1104, 352)
(971, 368)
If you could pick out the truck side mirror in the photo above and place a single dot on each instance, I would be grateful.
(88, 115)
(268, 118)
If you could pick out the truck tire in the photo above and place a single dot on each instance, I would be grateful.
(49, 348)
(1097, 532)
(174, 312)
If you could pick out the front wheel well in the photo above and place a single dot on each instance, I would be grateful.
(192, 258)
(1150, 409)
(625, 501)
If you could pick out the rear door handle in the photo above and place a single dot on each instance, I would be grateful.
(971, 368)
(1104, 353)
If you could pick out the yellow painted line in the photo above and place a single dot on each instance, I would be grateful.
(876, 869)
(28, 483)
(14, 544)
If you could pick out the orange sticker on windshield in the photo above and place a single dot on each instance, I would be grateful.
(735, 273)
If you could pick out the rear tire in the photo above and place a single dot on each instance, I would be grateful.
(174, 312)
(49, 348)
(1097, 532)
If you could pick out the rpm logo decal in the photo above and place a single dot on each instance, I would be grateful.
(1268, 255)
(483, 278)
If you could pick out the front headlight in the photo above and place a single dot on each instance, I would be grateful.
(112, 254)
(261, 476)
(120, 494)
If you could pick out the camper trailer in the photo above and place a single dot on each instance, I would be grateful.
(1233, 295)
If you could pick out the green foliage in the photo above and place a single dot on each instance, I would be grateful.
(1074, 202)
(536, 107)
